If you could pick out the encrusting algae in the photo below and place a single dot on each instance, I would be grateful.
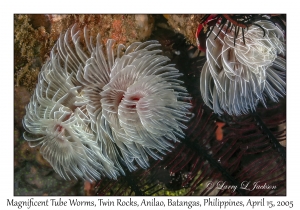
(185, 24)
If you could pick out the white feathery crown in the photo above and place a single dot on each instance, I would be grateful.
(240, 72)
(93, 113)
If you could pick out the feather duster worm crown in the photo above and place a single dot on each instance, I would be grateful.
(93, 113)
(241, 70)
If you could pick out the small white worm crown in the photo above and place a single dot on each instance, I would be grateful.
(93, 113)
(239, 74)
